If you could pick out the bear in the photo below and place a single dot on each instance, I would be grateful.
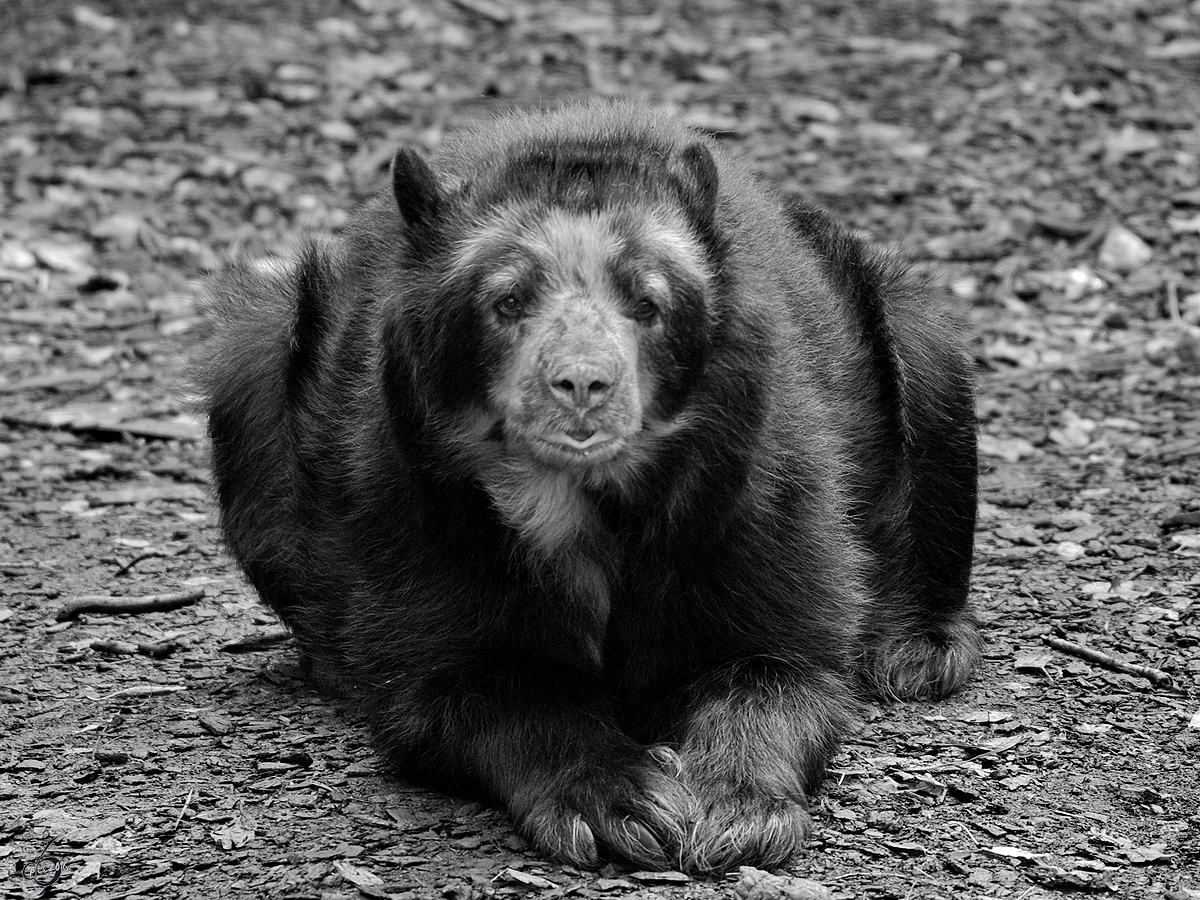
(604, 480)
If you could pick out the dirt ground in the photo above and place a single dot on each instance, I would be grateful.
(1039, 160)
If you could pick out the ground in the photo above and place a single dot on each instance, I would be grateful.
(1039, 162)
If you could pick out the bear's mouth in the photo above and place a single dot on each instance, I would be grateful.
(578, 446)
(582, 439)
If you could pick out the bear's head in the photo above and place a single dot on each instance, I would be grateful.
(559, 306)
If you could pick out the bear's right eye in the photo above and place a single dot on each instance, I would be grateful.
(645, 310)
(510, 306)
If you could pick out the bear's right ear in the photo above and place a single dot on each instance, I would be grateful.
(416, 187)
(697, 173)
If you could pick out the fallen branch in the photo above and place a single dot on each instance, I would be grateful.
(114, 648)
(149, 690)
(149, 554)
(186, 803)
(160, 650)
(253, 643)
(1157, 677)
(125, 648)
(1181, 520)
(128, 606)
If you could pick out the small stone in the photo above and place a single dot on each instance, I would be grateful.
(122, 229)
(1123, 250)
(16, 256)
(755, 884)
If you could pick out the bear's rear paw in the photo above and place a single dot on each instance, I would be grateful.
(921, 666)
(636, 814)
(732, 831)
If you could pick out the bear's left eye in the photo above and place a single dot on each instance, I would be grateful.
(510, 306)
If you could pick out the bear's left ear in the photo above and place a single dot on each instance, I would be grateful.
(697, 173)
(418, 193)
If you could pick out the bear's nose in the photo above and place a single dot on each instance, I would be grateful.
(581, 386)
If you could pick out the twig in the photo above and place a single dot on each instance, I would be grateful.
(1173, 303)
(496, 13)
(128, 605)
(160, 650)
(114, 648)
(1157, 677)
(149, 554)
(186, 803)
(1181, 520)
(149, 690)
(252, 643)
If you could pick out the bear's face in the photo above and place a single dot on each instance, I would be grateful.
(591, 326)
(558, 315)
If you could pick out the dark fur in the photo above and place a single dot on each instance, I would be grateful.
(650, 657)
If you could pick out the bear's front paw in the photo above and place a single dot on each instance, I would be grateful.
(745, 829)
(637, 813)
(921, 666)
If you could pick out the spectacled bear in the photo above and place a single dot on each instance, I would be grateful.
(604, 479)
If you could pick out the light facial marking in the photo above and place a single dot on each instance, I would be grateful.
(490, 242)
(674, 242)
(566, 262)
(573, 250)
(502, 281)
(576, 247)
(657, 285)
